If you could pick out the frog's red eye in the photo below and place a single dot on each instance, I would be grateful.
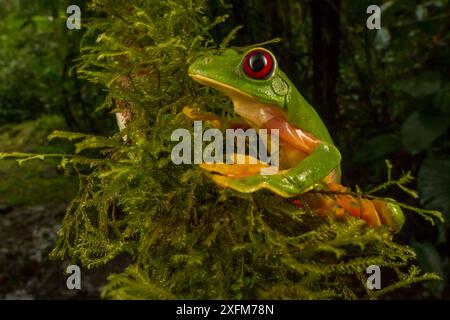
(258, 64)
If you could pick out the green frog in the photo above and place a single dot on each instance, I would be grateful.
(265, 98)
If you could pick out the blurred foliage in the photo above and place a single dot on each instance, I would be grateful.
(393, 102)
(34, 182)
(394, 94)
(36, 57)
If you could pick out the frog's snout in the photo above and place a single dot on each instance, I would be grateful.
(198, 65)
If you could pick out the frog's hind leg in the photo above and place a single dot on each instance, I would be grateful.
(360, 208)
(375, 212)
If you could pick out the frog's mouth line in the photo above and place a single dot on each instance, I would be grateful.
(295, 144)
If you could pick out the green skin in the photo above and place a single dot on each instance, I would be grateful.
(280, 92)
(224, 73)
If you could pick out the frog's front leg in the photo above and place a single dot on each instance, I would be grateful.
(288, 183)
(196, 114)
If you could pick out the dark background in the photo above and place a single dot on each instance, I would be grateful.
(383, 94)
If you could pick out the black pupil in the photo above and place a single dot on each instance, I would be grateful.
(257, 62)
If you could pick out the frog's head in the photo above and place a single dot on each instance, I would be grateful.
(252, 80)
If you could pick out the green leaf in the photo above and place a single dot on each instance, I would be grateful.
(441, 101)
(430, 261)
(434, 185)
(421, 129)
(378, 148)
(422, 85)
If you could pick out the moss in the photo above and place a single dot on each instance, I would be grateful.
(34, 182)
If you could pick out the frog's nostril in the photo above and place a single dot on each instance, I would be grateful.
(206, 60)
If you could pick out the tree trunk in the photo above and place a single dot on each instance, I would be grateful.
(326, 38)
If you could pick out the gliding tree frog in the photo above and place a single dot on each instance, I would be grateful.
(266, 99)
